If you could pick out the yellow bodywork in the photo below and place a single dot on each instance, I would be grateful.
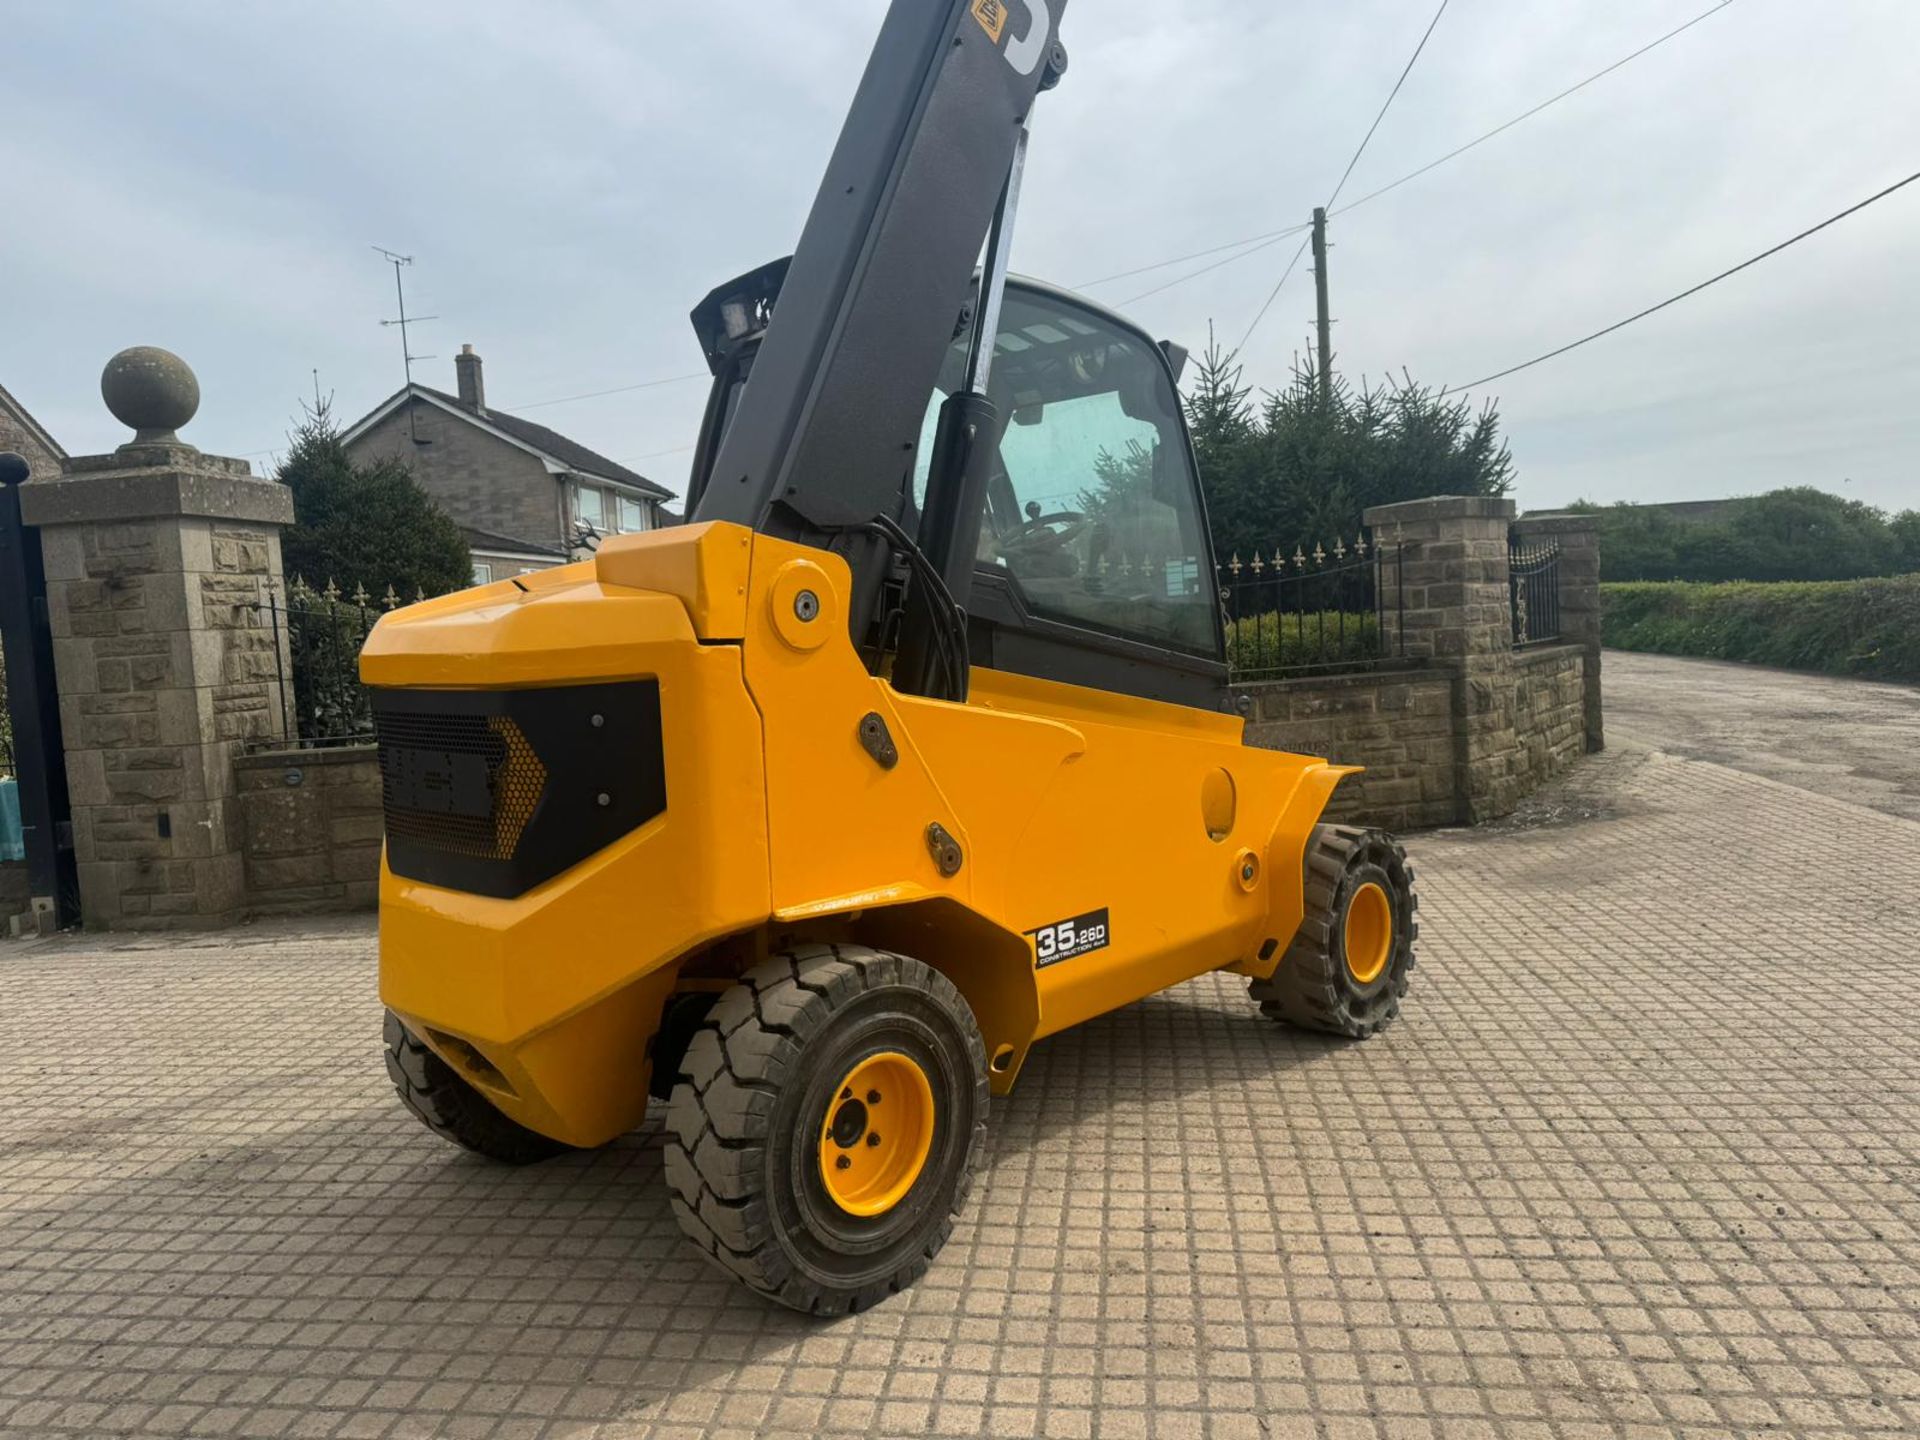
(779, 825)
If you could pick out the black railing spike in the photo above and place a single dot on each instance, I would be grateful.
(1336, 609)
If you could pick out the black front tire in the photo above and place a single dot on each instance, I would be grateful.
(453, 1109)
(1313, 987)
(744, 1157)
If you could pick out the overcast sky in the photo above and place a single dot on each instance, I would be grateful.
(210, 177)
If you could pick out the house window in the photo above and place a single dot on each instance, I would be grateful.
(589, 505)
(482, 573)
(632, 517)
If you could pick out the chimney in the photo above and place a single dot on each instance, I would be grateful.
(473, 392)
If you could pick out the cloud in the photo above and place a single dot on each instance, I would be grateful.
(572, 177)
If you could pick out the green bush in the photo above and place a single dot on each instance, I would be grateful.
(1794, 534)
(1298, 469)
(368, 525)
(1868, 628)
(1258, 645)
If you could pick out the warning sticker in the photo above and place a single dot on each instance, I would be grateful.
(1065, 939)
(992, 15)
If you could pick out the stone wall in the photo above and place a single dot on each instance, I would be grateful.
(1399, 724)
(1468, 726)
(310, 829)
(1550, 709)
(483, 482)
(1403, 726)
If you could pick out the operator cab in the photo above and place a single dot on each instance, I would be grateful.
(1094, 565)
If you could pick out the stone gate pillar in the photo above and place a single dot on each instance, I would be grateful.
(157, 557)
(1459, 613)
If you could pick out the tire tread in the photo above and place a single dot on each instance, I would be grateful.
(446, 1104)
(1306, 989)
(716, 1128)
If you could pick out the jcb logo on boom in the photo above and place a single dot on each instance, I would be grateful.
(1025, 52)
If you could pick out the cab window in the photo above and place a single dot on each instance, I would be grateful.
(1093, 510)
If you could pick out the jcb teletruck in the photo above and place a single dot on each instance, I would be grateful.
(812, 815)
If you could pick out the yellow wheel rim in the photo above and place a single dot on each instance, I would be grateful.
(1368, 933)
(877, 1134)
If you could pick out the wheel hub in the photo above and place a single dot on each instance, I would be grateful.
(1367, 936)
(849, 1124)
(877, 1133)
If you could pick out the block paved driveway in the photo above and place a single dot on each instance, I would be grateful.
(1642, 1158)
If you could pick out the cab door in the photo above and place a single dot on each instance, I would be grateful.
(1094, 567)
(1135, 862)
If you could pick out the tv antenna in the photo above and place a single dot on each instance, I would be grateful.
(407, 357)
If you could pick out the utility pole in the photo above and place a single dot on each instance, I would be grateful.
(1320, 296)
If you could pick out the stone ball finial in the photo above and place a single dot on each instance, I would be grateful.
(151, 391)
(13, 468)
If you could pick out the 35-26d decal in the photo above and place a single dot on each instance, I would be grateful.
(1065, 939)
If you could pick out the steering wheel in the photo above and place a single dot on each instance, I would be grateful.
(1057, 530)
(1038, 547)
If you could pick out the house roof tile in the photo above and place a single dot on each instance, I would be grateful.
(570, 453)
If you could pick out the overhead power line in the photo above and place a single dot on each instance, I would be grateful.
(1529, 114)
(656, 454)
(1693, 290)
(1267, 304)
(1392, 95)
(1194, 274)
(1253, 244)
(1365, 141)
(616, 390)
(1194, 255)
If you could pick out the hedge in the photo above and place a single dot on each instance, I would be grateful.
(1265, 646)
(1868, 628)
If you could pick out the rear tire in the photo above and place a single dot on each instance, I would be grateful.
(1347, 969)
(453, 1109)
(829, 1116)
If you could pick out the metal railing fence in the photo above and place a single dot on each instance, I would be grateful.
(1312, 613)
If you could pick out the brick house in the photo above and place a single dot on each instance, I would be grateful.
(22, 434)
(521, 492)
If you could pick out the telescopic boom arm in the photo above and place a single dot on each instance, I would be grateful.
(824, 432)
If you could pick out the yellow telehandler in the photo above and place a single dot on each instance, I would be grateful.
(912, 747)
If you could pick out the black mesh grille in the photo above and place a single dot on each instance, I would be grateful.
(493, 792)
(464, 784)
